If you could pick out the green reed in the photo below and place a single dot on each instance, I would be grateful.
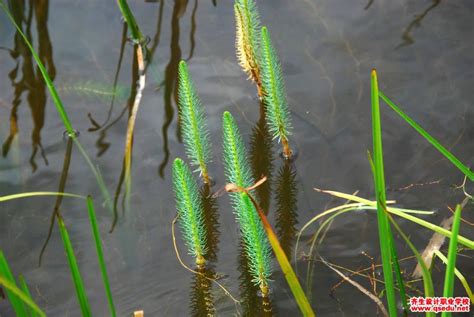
(448, 290)
(274, 98)
(19, 297)
(385, 235)
(190, 211)
(193, 123)
(238, 172)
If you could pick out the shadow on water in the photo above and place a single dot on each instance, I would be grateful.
(59, 199)
(406, 36)
(169, 84)
(211, 222)
(253, 304)
(32, 81)
(261, 159)
(201, 297)
(171, 76)
(286, 216)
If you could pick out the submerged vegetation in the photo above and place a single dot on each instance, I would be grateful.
(196, 204)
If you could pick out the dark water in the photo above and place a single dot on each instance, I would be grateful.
(421, 49)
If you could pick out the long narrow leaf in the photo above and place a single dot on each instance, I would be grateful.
(16, 302)
(461, 277)
(24, 288)
(33, 194)
(463, 168)
(75, 273)
(385, 237)
(12, 288)
(100, 254)
(402, 213)
(452, 252)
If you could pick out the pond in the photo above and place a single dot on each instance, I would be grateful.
(422, 51)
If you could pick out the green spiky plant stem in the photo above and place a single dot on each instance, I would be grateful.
(247, 39)
(190, 211)
(253, 234)
(385, 237)
(194, 125)
(274, 97)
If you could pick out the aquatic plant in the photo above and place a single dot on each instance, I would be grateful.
(19, 296)
(190, 212)
(247, 37)
(253, 234)
(99, 90)
(193, 123)
(274, 98)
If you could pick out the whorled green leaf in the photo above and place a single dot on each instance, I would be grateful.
(193, 122)
(238, 172)
(190, 211)
(247, 36)
(274, 96)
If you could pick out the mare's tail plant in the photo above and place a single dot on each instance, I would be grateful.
(194, 126)
(190, 211)
(247, 24)
(274, 98)
(238, 172)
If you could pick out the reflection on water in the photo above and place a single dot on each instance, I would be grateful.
(202, 298)
(327, 54)
(261, 159)
(211, 222)
(286, 215)
(406, 36)
(59, 199)
(252, 303)
(171, 76)
(31, 82)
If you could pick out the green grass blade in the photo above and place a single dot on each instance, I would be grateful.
(403, 213)
(286, 268)
(24, 288)
(459, 275)
(193, 123)
(399, 278)
(75, 273)
(379, 179)
(452, 253)
(427, 281)
(15, 300)
(100, 255)
(190, 210)
(33, 194)
(11, 288)
(463, 168)
(131, 22)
